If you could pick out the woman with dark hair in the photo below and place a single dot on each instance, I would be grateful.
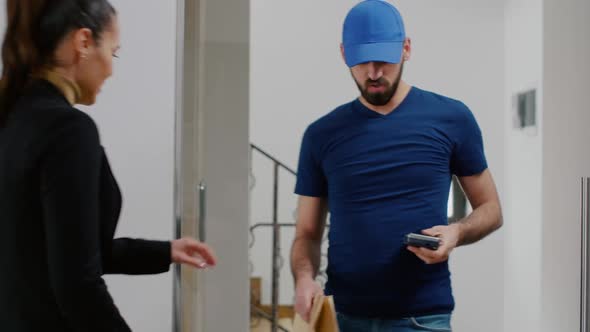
(59, 202)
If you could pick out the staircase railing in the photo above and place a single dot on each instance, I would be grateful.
(277, 258)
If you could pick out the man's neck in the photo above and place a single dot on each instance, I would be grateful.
(402, 92)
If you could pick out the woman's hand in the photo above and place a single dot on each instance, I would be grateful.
(192, 252)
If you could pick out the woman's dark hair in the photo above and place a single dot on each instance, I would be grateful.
(33, 32)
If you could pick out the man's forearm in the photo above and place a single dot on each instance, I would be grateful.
(484, 220)
(305, 258)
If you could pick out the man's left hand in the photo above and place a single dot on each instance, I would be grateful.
(449, 236)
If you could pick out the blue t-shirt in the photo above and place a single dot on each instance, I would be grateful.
(386, 176)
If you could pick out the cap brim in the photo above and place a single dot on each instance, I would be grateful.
(390, 52)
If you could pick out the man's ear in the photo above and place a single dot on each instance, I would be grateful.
(407, 52)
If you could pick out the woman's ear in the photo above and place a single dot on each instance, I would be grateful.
(83, 40)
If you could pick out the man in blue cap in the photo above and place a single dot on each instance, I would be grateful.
(382, 165)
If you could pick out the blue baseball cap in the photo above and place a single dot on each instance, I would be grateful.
(373, 31)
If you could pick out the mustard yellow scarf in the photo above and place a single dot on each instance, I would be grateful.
(69, 88)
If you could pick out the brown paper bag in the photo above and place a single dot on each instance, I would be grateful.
(322, 318)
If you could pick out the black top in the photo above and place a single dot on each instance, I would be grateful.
(59, 206)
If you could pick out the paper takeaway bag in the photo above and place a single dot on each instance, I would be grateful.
(322, 319)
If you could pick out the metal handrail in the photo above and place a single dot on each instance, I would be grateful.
(585, 218)
(276, 242)
(275, 160)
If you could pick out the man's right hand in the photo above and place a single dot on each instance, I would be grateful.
(305, 291)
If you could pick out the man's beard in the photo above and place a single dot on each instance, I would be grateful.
(380, 98)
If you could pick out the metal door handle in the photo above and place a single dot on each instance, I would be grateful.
(585, 217)
(202, 211)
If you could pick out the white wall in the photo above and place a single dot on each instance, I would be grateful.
(523, 159)
(298, 75)
(566, 79)
(135, 115)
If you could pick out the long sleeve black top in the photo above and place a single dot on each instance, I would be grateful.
(59, 208)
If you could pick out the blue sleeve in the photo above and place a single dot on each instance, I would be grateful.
(468, 156)
(311, 180)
